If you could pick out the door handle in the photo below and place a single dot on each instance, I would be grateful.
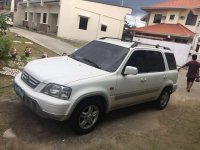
(143, 79)
(165, 77)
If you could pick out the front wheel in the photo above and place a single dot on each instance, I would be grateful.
(86, 116)
(163, 99)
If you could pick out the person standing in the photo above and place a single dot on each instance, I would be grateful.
(193, 71)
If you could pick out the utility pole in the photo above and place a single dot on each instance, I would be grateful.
(122, 4)
(12, 6)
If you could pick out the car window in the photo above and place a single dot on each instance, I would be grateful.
(102, 55)
(155, 61)
(147, 61)
(171, 61)
(138, 60)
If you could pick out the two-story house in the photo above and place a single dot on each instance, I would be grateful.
(72, 19)
(172, 20)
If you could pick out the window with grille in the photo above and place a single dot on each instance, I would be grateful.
(83, 23)
(191, 19)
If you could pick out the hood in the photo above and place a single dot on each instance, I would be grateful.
(61, 70)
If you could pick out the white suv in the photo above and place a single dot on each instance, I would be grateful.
(101, 76)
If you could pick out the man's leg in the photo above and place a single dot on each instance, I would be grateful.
(191, 81)
(187, 84)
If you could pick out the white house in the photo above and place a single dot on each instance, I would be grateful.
(72, 19)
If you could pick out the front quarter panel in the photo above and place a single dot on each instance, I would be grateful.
(98, 86)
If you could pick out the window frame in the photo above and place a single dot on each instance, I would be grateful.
(191, 19)
(44, 15)
(167, 58)
(126, 64)
(145, 60)
(163, 62)
(172, 17)
(83, 24)
(26, 16)
(157, 18)
(103, 26)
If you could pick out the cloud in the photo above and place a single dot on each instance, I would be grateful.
(135, 20)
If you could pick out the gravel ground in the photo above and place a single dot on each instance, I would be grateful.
(139, 127)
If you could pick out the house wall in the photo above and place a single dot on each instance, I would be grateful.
(69, 13)
(98, 14)
(19, 16)
(35, 16)
(178, 13)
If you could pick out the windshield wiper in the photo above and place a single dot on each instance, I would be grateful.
(85, 59)
(91, 62)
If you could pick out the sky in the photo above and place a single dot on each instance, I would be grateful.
(137, 13)
(134, 4)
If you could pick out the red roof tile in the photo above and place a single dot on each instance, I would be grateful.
(185, 4)
(165, 29)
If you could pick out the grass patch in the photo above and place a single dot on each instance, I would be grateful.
(36, 49)
(37, 52)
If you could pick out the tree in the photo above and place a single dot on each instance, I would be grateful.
(5, 42)
(3, 25)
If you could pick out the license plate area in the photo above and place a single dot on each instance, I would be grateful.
(19, 91)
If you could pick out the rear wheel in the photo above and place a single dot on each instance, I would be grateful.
(163, 99)
(86, 116)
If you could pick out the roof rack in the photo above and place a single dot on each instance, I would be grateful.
(136, 43)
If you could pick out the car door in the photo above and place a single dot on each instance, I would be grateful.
(132, 89)
(156, 73)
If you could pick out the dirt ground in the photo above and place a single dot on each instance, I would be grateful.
(136, 128)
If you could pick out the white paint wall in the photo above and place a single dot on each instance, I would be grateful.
(98, 14)
(178, 13)
(69, 17)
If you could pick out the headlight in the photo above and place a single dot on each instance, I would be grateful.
(58, 91)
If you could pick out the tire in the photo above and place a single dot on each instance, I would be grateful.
(86, 116)
(163, 99)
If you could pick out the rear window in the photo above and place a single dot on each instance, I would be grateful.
(171, 61)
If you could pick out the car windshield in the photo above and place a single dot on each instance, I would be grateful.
(101, 55)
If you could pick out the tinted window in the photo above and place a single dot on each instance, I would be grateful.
(83, 23)
(26, 16)
(138, 60)
(103, 28)
(171, 61)
(44, 18)
(191, 19)
(172, 17)
(101, 55)
(157, 18)
(155, 61)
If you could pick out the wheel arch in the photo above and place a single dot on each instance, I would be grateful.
(169, 86)
(99, 96)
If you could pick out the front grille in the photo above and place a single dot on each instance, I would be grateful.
(29, 80)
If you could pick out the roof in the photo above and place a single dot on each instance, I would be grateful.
(95, 1)
(166, 29)
(175, 4)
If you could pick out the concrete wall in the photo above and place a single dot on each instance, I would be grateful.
(69, 13)
(177, 19)
(35, 15)
(98, 14)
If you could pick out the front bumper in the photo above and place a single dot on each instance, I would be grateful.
(43, 105)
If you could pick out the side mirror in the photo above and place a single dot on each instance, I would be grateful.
(130, 70)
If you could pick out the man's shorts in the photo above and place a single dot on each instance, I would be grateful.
(190, 79)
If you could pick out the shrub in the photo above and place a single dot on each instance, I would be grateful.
(3, 25)
(5, 45)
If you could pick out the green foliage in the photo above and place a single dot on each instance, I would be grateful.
(5, 45)
(3, 25)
